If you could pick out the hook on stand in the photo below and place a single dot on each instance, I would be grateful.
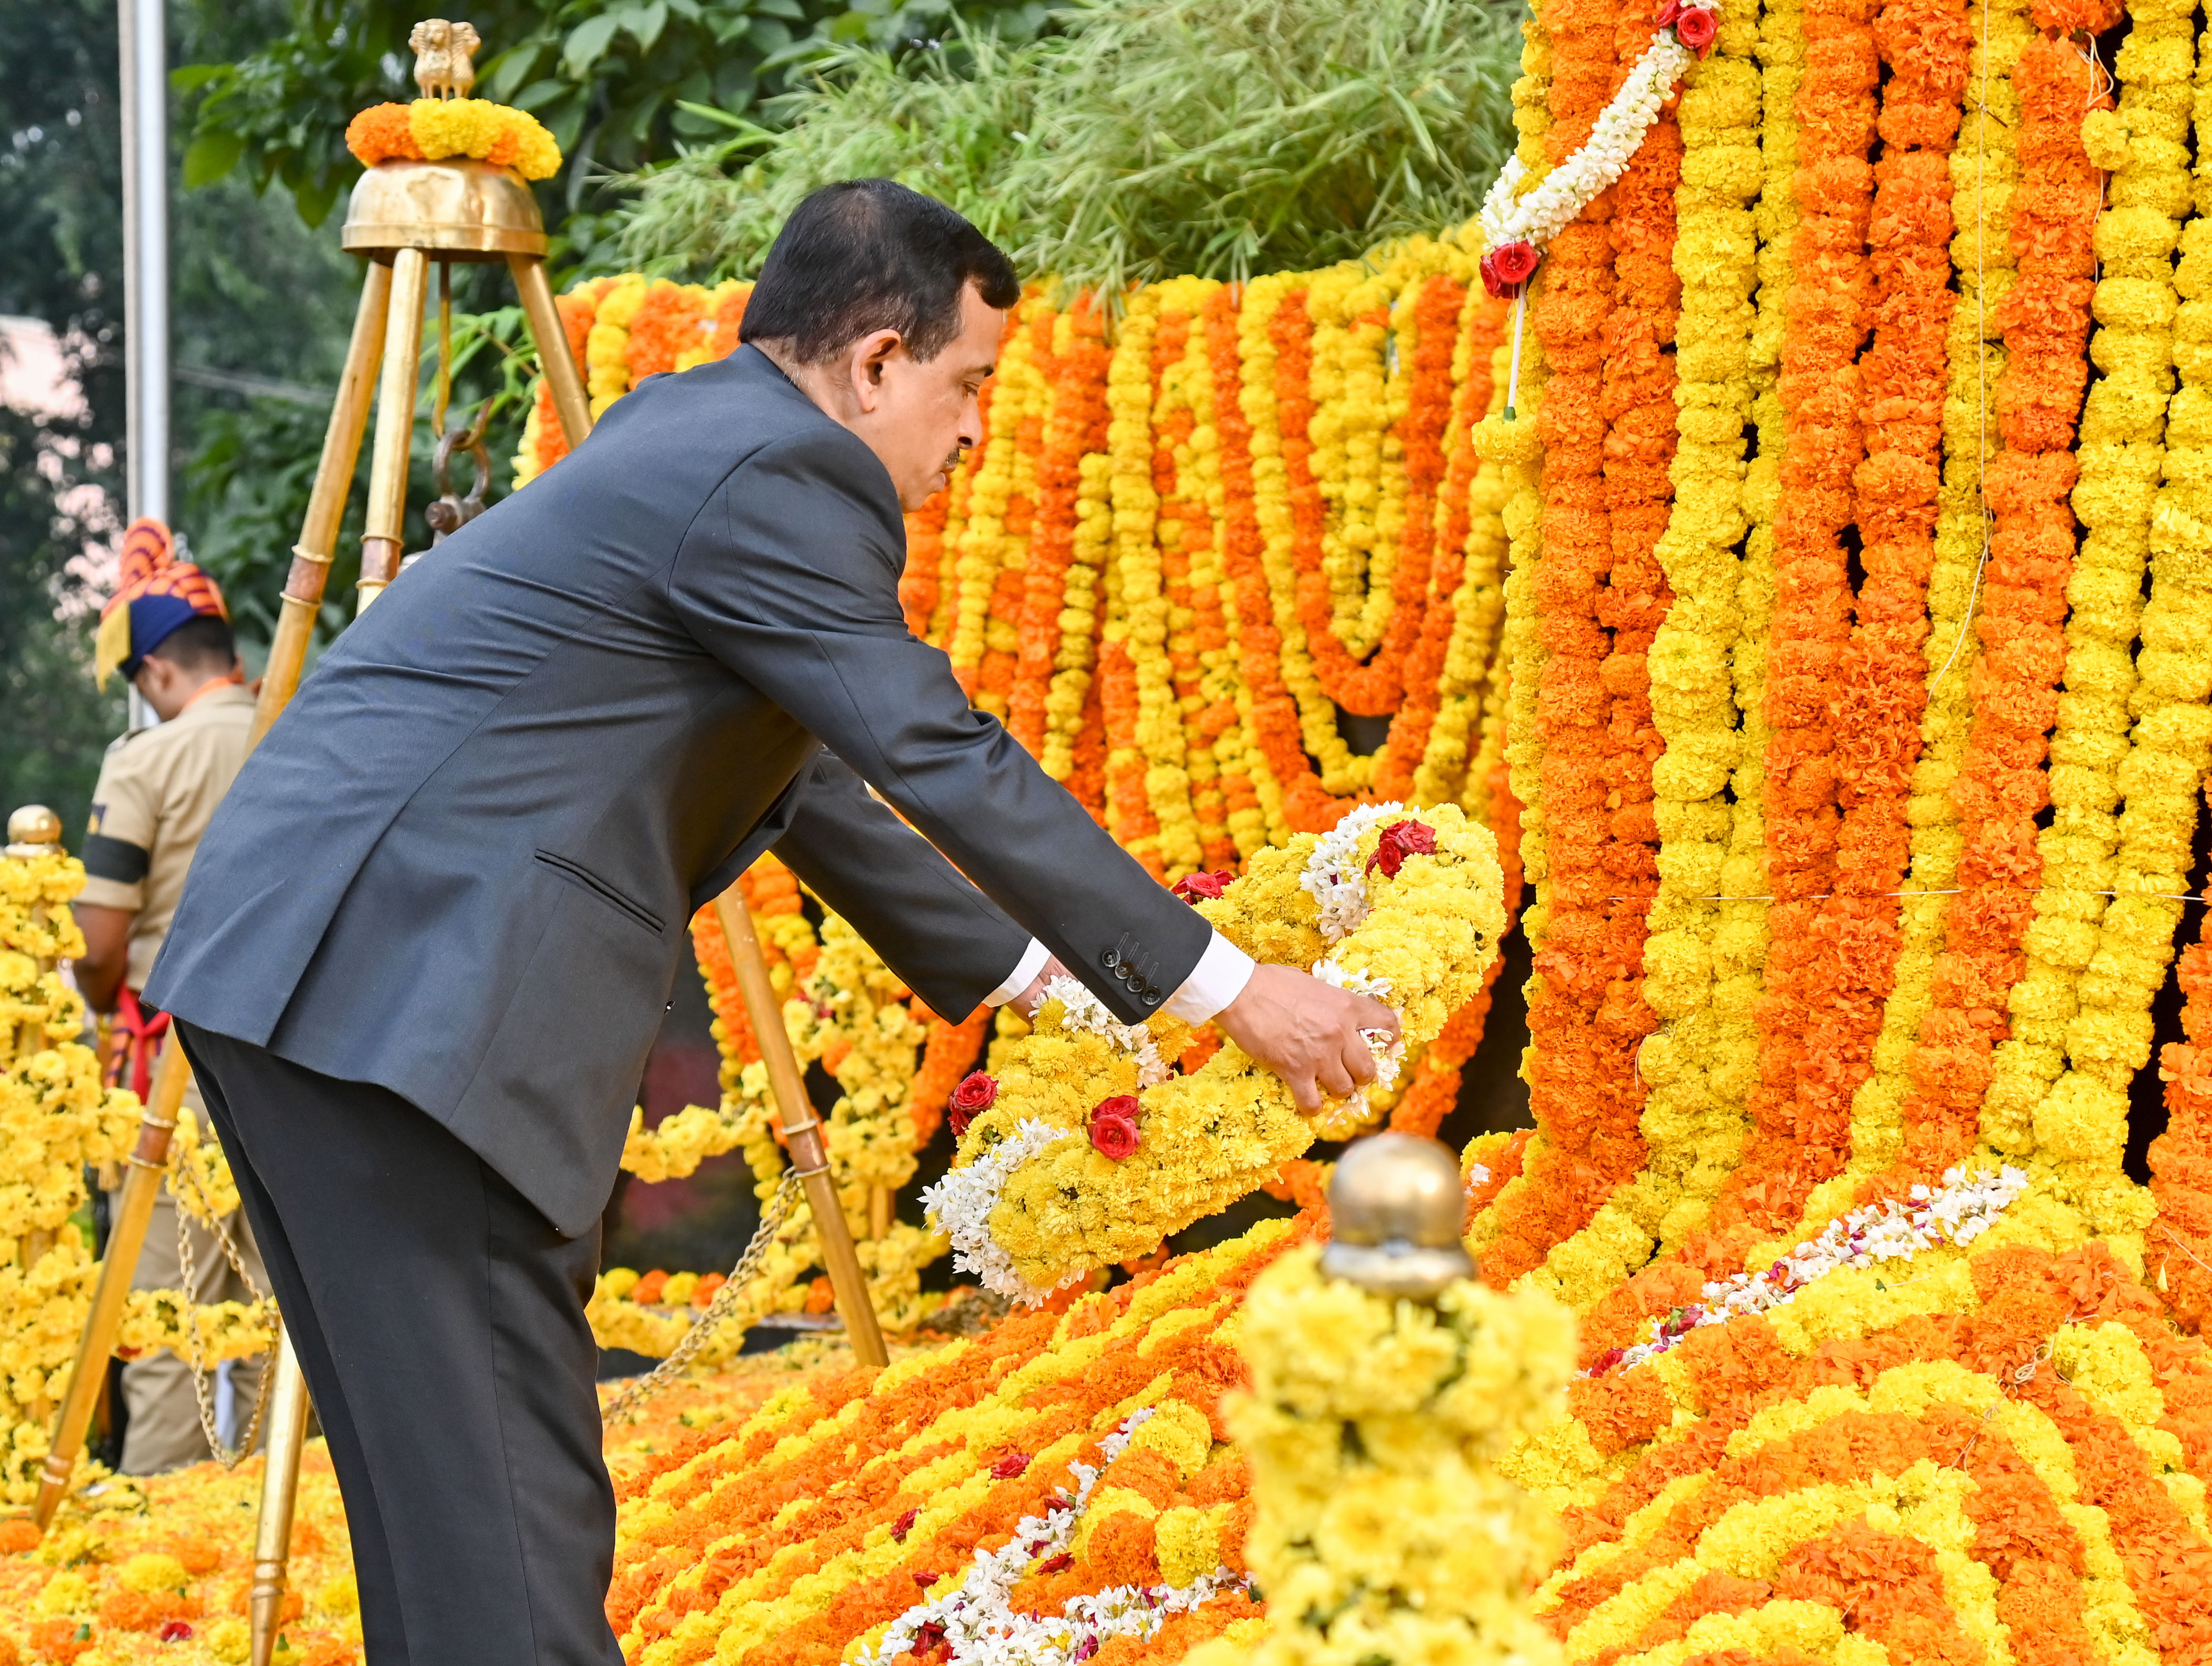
(450, 512)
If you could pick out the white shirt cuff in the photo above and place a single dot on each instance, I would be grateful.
(1219, 978)
(1030, 963)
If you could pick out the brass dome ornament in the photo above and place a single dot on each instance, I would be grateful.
(34, 830)
(1396, 1210)
(458, 209)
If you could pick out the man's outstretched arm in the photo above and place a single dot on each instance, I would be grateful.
(790, 577)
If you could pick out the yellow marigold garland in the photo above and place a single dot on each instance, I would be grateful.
(1034, 1200)
(2093, 963)
(1691, 1122)
(432, 129)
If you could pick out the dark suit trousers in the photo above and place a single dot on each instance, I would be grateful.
(440, 1320)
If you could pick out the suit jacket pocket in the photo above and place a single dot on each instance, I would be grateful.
(599, 888)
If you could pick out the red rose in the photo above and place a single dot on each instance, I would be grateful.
(1401, 840)
(1114, 1126)
(905, 1524)
(1667, 14)
(1009, 1466)
(175, 1630)
(1193, 886)
(1515, 261)
(1695, 29)
(975, 1094)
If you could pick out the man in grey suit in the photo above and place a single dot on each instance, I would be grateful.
(430, 934)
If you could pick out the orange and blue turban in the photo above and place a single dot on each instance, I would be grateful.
(157, 593)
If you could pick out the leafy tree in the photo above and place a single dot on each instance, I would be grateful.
(619, 82)
(58, 165)
(1141, 138)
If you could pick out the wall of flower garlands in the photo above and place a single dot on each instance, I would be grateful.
(1853, 676)
(1184, 542)
(1856, 687)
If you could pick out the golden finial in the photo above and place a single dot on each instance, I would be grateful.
(1396, 1210)
(34, 830)
(442, 65)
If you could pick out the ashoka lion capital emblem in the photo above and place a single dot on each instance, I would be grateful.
(442, 65)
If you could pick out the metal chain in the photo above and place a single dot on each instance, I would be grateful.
(725, 1301)
(191, 1339)
(201, 1392)
(221, 1231)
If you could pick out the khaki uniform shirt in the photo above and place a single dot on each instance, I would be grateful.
(157, 789)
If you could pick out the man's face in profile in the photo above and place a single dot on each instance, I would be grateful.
(926, 411)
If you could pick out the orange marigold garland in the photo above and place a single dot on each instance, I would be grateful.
(2002, 785)
(1584, 1021)
(1269, 712)
(1801, 1106)
(1076, 430)
(1451, 362)
(665, 325)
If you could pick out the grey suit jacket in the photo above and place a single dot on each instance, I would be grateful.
(461, 864)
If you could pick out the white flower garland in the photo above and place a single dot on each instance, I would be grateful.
(1959, 1214)
(1568, 189)
(975, 1621)
(1333, 876)
(962, 1203)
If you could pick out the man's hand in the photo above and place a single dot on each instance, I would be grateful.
(1306, 1032)
(1030, 998)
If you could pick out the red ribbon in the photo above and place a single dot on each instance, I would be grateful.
(143, 1033)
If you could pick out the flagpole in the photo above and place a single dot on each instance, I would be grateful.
(143, 38)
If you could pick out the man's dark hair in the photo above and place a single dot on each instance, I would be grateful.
(201, 642)
(866, 255)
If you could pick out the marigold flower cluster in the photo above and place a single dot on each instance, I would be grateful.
(1373, 1428)
(55, 1120)
(159, 1569)
(431, 130)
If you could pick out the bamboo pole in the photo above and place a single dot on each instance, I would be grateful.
(142, 1185)
(280, 1491)
(802, 1129)
(381, 537)
(318, 532)
(295, 625)
(569, 403)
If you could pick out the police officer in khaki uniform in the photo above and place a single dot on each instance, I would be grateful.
(165, 629)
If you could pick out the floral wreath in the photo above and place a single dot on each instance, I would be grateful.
(1086, 1150)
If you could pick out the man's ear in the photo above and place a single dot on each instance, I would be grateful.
(868, 361)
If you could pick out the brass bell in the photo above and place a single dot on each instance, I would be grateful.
(1396, 1210)
(34, 830)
